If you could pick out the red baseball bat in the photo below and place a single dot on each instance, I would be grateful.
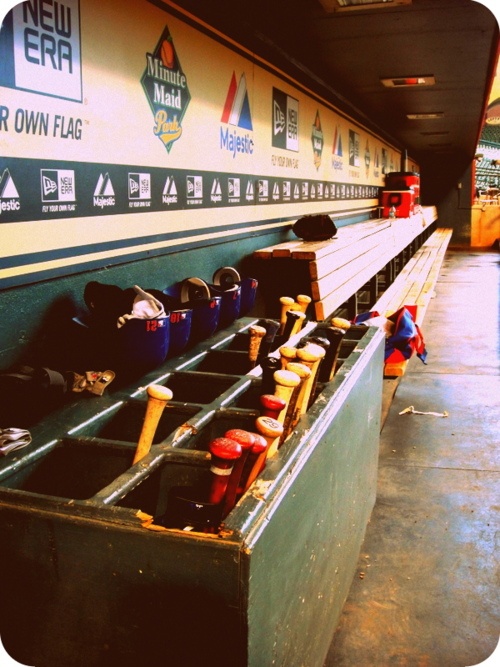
(225, 453)
(272, 405)
(246, 440)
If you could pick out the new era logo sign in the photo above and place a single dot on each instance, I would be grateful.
(58, 185)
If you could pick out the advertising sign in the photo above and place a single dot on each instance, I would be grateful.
(118, 128)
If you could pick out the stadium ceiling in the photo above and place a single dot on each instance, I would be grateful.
(419, 71)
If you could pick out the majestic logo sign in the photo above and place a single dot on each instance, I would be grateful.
(9, 196)
(40, 48)
(169, 194)
(165, 85)
(236, 113)
(216, 192)
(285, 121)
(104, 193)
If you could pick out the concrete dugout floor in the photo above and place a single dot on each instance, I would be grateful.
(426, 591)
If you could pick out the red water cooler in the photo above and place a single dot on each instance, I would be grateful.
(402, 191)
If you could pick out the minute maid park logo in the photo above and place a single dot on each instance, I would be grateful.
(235, 137)
(166, 88)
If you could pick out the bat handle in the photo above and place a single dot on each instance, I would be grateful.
(286, 303)
(293, 321)
(340, 322)
(270, 429)
(269, 366)
(256, 460)
(324, 342)
(286, 381)
(271, 327)
(225, 453)
(246, 440)
(287, 354)
(272, 405)
(291, 416)
(299, 322)
(310, 355)
(257, 333)
(303, 301)
(329, 364)
(158, 396)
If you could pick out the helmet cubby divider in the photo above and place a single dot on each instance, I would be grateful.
(102, 552)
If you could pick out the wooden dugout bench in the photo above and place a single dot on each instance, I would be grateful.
(345, 272)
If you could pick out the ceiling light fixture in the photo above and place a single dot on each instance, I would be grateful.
(352, 5)
(408, 81)
(425, 116)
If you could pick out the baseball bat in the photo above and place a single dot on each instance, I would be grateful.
(292, 318)
(270, 429)
(287, 354)
(246, 440)
(269, 365)
(286, 303)
(340, 322)
(158, 397)
(286, 381)
(272, 405)
(291, 417)
(225, 453)
(324, 342)
(257, 462)
(328, 366)
(299, 322)
(316, 338)
(271, 327)
(310, 355)
(256, 333)
(303, 301)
